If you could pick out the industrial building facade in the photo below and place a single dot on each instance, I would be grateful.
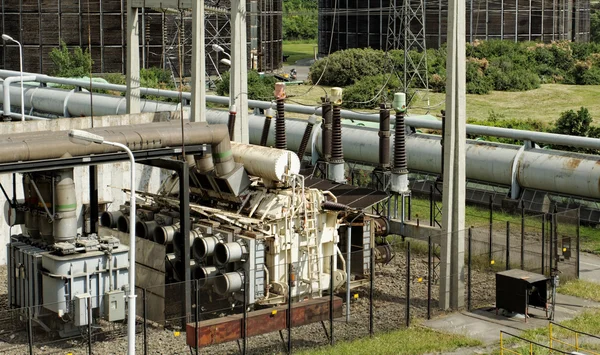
(362, 24)
(101, 25)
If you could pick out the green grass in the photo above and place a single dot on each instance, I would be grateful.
(298, 50)
(587, 322)
(411, 341)
(582, 289)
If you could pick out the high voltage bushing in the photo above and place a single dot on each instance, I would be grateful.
(337, 149)
(384, 136)
(400, 165)
(280, 136)
(266, 127)
(306, 137)
(327, 115)
(231, 121)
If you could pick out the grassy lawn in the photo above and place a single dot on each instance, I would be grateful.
(411, 341)
(588, 322)
(582, 289)
(545, 103)
(298, 50)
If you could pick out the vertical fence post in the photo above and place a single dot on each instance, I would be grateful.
(196, 315)
(331, 339)
(371, 291)
(522, 236)
(491, 223)
(289, 310)
(555, 238)
(407, 284)
(544, 244)
(245, 316)
(469, 250)
(507, 245)
(577, 245)
(429, 252)
(30, 329)
(409, 207)
(145, 314)
(89, 325)
(431, 206)
(550, 241)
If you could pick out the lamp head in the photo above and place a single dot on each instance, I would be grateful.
(217, 48)
(226, 61)
(7, 37)
(84, 138)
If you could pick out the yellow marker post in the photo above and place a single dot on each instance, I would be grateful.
(356, 296)
(420, 279)
(492, 262)
(273, 312)
(176, 333)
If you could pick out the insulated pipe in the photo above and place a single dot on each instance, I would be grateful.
(65, 222)
(55, 99)
(144, 136)
(229, 282)
(109, 219)
(205, 247)
(6, 91)
(226, 253)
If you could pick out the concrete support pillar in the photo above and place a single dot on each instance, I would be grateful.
(239, 69)
(452, 273)
(133, 60)
(198, 102)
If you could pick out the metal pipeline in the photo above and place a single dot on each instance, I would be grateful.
(145, 229)
(109, 219)
(165, 234)
(205, 247)
(384, 137)
(178, 239)
(123, 224)
(229, 282)
(226, 253)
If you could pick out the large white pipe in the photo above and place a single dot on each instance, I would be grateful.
(6, 92)
(268, 163)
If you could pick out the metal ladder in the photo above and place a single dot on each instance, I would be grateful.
(313, 246)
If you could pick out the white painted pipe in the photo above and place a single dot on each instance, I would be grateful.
(267, 163)
(6, 92)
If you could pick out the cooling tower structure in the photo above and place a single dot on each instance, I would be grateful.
(100, 25)
(362, 24)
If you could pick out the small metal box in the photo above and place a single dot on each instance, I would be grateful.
(114, 305)
(80, 309)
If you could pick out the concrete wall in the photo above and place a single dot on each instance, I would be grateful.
(111, 177)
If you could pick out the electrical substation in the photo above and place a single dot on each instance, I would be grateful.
(229, 224)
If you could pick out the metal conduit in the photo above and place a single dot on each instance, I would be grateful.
(538, 137)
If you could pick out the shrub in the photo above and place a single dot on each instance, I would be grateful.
(259, 87)
(477, 81)
(344, 67)
(574, 124)
(362, 94)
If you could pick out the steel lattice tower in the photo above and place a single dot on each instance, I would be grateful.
(406, 31)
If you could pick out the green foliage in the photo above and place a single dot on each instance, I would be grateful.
(574, 124)
(595, 26)
(344, 67)
(300, 19)
(496, 119)
(71, 64)
(362, 94)
(259, 87)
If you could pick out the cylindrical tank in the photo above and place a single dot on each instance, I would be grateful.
(265, 162)
(65, 222)
(229, 282)
(364, 24)
(109, 218)
(206, 275)
(230, 252)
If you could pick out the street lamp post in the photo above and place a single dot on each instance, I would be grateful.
(9, 38)
(85, 138)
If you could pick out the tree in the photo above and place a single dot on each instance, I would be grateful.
(574, 124)
(71, 64)
(300, 19)
(595, 26)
